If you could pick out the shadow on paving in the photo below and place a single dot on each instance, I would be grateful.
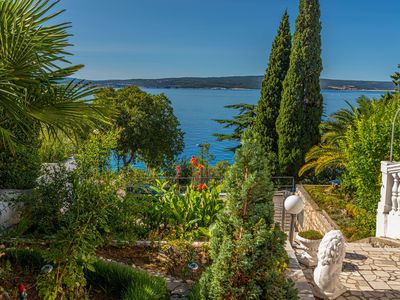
(370, 295)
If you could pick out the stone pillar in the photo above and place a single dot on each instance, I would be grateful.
(385, 203)
(388, 213)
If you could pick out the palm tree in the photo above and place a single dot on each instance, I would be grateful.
(34, 92)
(330, 152)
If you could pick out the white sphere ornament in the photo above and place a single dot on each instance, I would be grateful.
(294, 205)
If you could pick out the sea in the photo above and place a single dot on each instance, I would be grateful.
(197, 110)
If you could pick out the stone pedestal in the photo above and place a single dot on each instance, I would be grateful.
(340, 289)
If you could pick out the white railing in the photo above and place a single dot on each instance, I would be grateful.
(388, 213)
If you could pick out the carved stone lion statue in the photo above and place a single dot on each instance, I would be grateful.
(331, 253)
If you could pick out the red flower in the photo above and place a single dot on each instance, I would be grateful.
(178, 169)
(193, 161)
(21, 288)
(201, 186)
(199, 166)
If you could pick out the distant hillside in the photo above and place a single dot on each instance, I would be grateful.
(237, 82)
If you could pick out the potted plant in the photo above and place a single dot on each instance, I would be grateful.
(310, 239)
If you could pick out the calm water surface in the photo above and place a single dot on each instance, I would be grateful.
(197, 108)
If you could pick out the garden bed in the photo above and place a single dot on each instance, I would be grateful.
(354, 222)
(173, 258)
(105, 281)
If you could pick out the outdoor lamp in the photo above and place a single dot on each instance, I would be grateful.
(293, 205)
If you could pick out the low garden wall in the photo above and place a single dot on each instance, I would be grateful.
(313, 218)
(9, 214)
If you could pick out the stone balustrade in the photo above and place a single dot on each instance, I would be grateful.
(388, 213)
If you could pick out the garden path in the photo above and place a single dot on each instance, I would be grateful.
(368, 272)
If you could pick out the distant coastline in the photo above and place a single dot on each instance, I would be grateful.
(238, 83)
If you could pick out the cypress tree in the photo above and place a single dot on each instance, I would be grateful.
(247, 248)
(301, 107)
(272, 85)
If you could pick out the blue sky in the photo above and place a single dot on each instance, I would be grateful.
(123, 39)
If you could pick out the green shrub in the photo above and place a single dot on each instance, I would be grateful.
(127, 283)
(247, 248)
(311, 235)
(28, 258)
(114, 278)
(44, 209)
(355, 222)
(367, 144)
(171, 212)
(54, 150)
(19, 170)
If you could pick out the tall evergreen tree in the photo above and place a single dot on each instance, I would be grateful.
(301, 107)
(272, 85)
(246, 246)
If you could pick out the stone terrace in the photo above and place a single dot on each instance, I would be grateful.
(368, 272)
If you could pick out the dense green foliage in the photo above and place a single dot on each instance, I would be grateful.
(19, 169)
(330, 153)
(150, 132)
(44, 209)
(356, 140)
(246, 246)
(239, 123)
(115, 279)
(76, 209)
(33, 66)
(55, 150)
(126, 282)
(367, 144)
(356, 223)
(301, 107)
(171, 213)
(272, 85)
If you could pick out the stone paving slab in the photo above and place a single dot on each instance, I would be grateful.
(368, 272)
